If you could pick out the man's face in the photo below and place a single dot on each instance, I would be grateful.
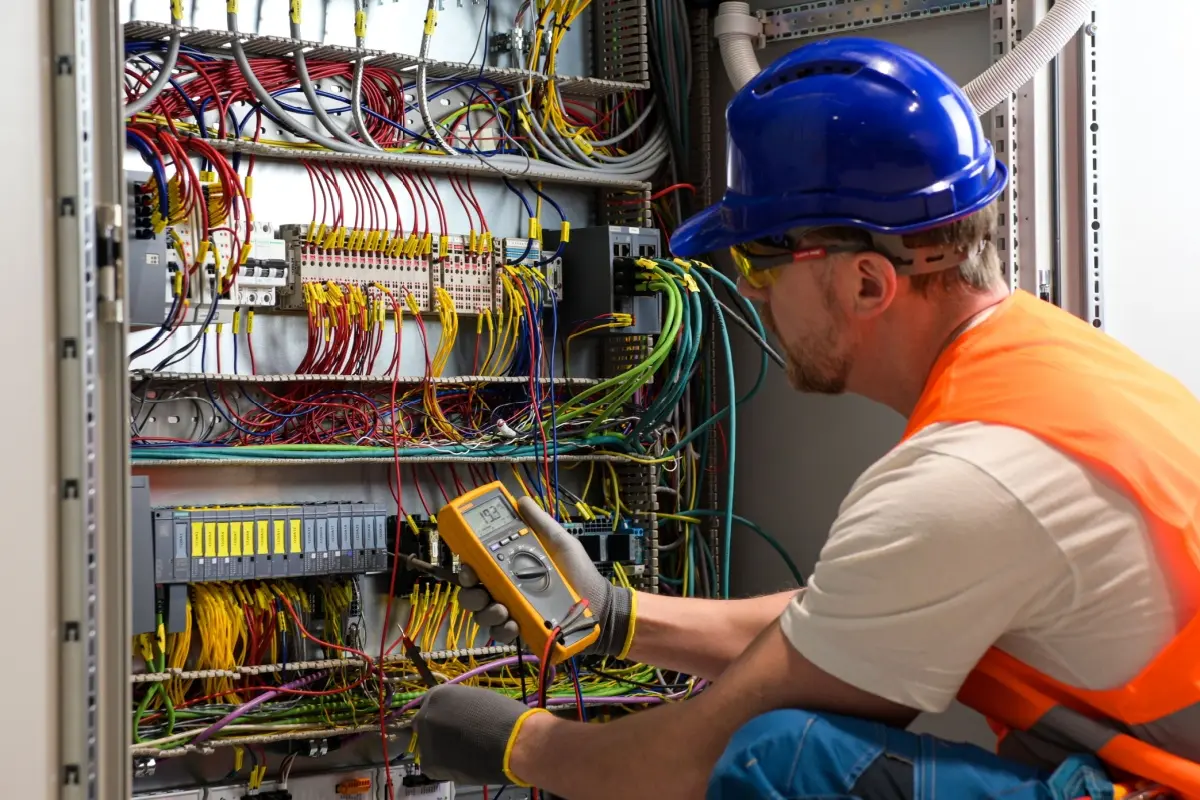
(802, 309)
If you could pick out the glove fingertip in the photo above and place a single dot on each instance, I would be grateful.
(506, 633)
(467, 577)
(474, 600)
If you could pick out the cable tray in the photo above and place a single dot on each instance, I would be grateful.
(250, 461)
(451, 380)
(218, 41)
(309, 666)
(451, 165)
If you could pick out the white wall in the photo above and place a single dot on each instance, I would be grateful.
(1149, 179)
(28, 586)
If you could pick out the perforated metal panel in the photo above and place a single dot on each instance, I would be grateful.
(621, 52)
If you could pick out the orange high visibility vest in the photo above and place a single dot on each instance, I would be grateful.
(1035, 367)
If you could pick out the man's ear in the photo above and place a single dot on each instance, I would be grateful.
(875, 284)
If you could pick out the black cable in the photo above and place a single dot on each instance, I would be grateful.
(191, 346)
(521, 669)
(669, 687)
(732, 315)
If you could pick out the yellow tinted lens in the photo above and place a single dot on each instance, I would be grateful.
(759, 279)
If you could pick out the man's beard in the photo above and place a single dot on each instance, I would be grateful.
(814, 366)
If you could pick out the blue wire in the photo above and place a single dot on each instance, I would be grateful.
(139, 143)
(528, 212)
(561, 216)
(578, 690)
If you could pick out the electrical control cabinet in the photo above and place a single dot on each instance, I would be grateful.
(305, 396)
(599, 265)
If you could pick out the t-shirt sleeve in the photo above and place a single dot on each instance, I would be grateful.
(928, 563)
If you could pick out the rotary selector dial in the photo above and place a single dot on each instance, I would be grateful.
(530, 572)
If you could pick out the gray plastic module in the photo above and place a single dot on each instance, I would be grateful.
(356, 537)
(346, 536)
(176, 602)
(142, 567)
(324, 549)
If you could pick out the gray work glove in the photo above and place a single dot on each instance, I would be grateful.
(463, 733)
(612, 606)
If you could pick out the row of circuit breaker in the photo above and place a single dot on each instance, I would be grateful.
(192, 545)
(466, 267)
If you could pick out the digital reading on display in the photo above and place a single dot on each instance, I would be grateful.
(490, 517)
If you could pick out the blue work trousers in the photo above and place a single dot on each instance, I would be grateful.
(799, 755)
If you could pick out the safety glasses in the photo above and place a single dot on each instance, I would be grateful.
(759, 262)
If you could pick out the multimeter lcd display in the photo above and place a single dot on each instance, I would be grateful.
(490, 517)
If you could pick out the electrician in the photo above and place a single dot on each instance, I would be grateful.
(1030, 547)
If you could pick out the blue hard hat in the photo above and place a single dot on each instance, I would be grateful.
(847, 132)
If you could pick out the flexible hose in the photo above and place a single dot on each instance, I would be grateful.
(360, 41)
(513, 166)
(736, 29)
(269, 103)
(310, 92)
(143, 102)
(422, 93)
(1035, 51)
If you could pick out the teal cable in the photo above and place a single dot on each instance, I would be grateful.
(730, 469)
(766, 537)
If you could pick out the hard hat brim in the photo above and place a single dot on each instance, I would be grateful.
(726, 224)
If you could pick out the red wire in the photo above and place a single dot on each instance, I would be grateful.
(368, 663)
(675, 187)
(438, 481)
(420, 494)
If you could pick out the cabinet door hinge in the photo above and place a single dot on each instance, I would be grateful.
(110, 265)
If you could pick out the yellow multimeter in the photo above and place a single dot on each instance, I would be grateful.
(485, 530)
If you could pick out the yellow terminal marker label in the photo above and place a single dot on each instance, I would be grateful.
(264, 539)
(197, 539)
(222, 540)
(248, 539)
(280, 539)
(294, 545)
(235, 539)
(210, 540)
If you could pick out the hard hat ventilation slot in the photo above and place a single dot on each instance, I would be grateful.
(810, 69)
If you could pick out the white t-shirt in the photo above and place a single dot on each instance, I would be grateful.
(969, 535)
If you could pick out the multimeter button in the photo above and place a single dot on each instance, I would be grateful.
(499, 556)
(496, 546)
(505, 540)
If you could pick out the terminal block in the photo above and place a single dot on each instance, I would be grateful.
(529, 253)
(467, 274)
(319, 259)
